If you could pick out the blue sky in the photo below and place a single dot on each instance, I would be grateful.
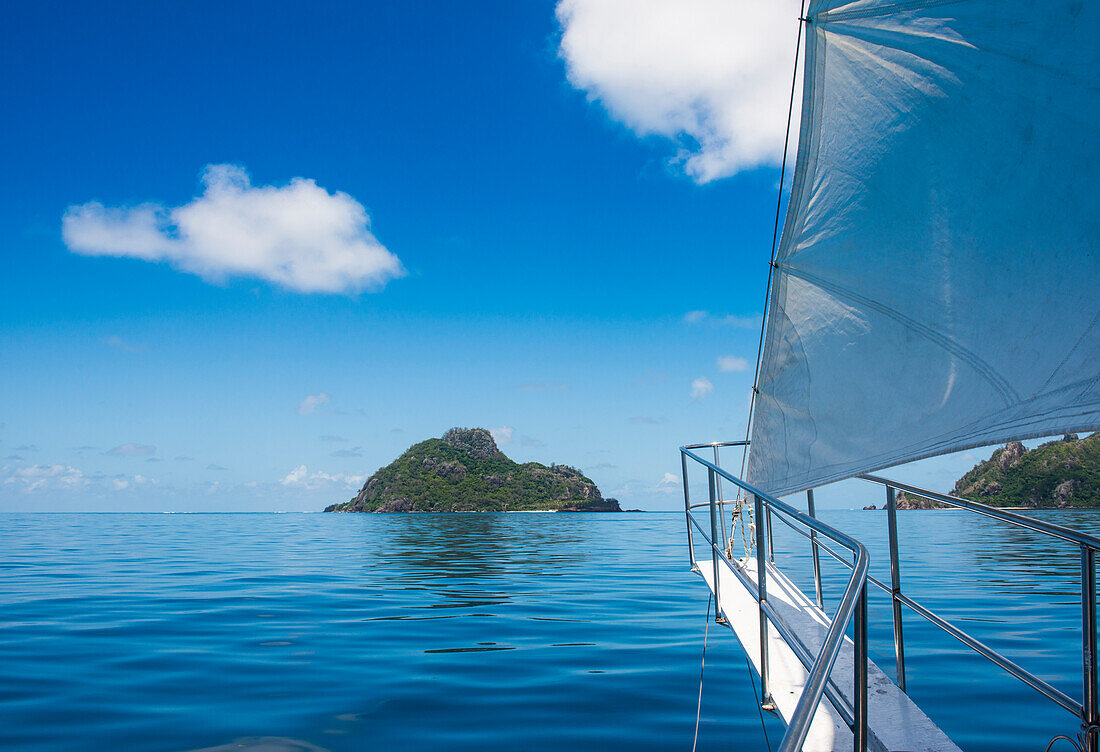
(553, 230)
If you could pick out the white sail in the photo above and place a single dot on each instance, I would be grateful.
(937, 283)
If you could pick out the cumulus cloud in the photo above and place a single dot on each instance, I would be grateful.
(713, 76)
(701, 387)
(132, 450)
(298, 236)
(312, 402)
(732, 363)
(300, 477)
(121, 482)
(44, 477)
(668, 483)
(502, 434)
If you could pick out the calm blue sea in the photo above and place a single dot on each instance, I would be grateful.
(472, 632)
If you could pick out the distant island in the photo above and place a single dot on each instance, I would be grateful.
(1061, 474)
(465, 472)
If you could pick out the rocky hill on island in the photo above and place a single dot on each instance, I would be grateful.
(1061, 474)
(465, 472)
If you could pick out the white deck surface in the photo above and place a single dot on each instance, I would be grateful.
(895, 723)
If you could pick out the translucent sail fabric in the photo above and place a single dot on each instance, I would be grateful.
(937, 283)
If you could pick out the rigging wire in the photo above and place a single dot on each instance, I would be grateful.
(702, 664)
(775, 237)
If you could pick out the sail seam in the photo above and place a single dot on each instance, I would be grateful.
(883, 10)
(990, 374)
(1076, 345)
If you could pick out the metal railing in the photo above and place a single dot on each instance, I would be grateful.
(1087, 710)
(851, 609)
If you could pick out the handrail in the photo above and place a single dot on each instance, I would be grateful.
(853, 603)
(1088, 710)
(1021, 520)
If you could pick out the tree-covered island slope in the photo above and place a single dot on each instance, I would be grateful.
(465, 472)
(1061, 474)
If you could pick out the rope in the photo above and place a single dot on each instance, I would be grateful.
(702, 664)
(775, 241)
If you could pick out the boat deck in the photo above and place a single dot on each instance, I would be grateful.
(895, 723)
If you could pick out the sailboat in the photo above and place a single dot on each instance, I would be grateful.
(935, 287)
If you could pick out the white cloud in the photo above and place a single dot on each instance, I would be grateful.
(502, 434)
(312, 402)
(669, 481)
(44, 477)
(132, 450)
(712, 75)
(732, 363)
(737, 322)
(300, 477)
(298, 236)
(701, 387)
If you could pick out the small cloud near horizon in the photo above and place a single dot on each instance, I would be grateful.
(312, 402)
(732, 364)
(300, 477)
(737, 322)
(529, 441)
(602, 466)
(701, 387)
(353, 452)
(132, 450)
(502, 434)
(645, 420)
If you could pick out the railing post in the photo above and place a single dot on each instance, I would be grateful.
(712, 478)
(762, 592)
(859, 702)
(895, 585)
(1090, 716)
(813, 549)
(721, 515)
(687, 510)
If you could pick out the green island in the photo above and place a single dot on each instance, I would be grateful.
(1063, 474)
(464, 471)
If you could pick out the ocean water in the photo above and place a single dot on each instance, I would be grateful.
(474, 632)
